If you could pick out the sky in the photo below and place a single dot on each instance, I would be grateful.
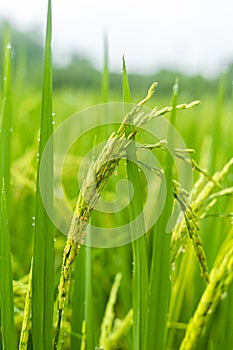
(191, 36)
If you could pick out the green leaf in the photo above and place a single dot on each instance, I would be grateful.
(89, 312)
(6, 286)
(78, 298)
(43, 249)
(160, 265)
(139, 246)
(105, 73)
(5, 134)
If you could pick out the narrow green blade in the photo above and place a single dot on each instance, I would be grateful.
(89, 313)
(105, 73)
(78, 299)
(160, 266)
(43, 250)
(6, 286)
(139, 247)
(5, 133)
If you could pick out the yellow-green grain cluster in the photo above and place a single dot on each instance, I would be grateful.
(97, 177)
(220, 277)
(199, 205)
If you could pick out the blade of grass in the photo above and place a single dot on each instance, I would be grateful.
(216, 126)
(89, 313)
(105, 73)
(139, 247)
(6, 286)
(78, 297)
(43, 249)
(5, 133)
(26, 323)
(160, 266)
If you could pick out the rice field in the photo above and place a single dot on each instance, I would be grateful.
(162, 282)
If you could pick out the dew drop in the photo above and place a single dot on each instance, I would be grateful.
(11, 130)
(53, 114)
(33, 224)
(54, 239)
(9, 46)
(53, 122)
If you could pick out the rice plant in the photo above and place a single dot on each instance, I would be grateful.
(169, 288)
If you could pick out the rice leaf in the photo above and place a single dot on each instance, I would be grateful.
(160, 266)
(5, 133)
(139, 246)
(78, 300)
(6, 286)
(105, 73)
(43, 249)
(89, 313)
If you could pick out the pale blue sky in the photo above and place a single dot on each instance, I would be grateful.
(195, 36)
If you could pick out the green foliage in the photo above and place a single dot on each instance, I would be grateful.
(43, 253)
(139, 245)
(110, 302)
(6, 287)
